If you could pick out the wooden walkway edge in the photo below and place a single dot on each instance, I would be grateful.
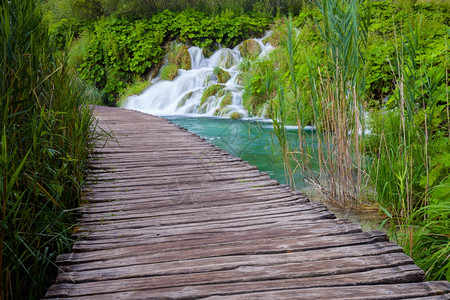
(170, 216)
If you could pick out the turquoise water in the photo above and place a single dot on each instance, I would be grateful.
(252, 141)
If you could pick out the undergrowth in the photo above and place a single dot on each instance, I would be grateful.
(45, 140)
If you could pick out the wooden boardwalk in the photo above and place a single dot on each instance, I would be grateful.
(170, 216)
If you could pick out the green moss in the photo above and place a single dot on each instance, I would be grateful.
(136, 88)
(222, 75)
(210, 91)
(222, 111)
(169, 72)
(221, 93)
(178, 58)
(236, 115)
(226, 100)
(183, 58)
(250, 49)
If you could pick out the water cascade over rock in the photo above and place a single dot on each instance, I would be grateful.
(209, 88)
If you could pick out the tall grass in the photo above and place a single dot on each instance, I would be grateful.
(45, 138)
(337, 87)
(403, 164)
(410, 171)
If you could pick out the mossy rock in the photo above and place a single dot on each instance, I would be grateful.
(227, 100)
(183, 59)
(207, 52)
(178, 55)
(169, 72)
(222, 92)
(222, 75)
(250, 49)
(236, 115)
(227, 59)
(184, 100)
(210, 91)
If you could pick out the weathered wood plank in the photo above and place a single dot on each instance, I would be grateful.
(255, 246)
(400, 274)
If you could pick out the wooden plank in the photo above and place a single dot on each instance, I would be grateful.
(400, 274)
(255, 246)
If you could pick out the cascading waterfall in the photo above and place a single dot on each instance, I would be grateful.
(199, 91)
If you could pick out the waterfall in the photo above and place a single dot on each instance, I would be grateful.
(198, 91)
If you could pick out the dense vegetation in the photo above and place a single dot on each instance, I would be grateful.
(121, 43)
(373, 79)
(44, 144)
(145, 9)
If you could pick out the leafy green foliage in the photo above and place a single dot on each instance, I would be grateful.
(121, 50)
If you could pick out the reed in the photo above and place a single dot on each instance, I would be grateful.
(408, 180)
(45, 141)
(403, 163)
(336, 88)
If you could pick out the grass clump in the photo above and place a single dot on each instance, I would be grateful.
(169, 72)
(136, 88)
(45, 140)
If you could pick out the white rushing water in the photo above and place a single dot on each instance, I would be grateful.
(182, 96)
